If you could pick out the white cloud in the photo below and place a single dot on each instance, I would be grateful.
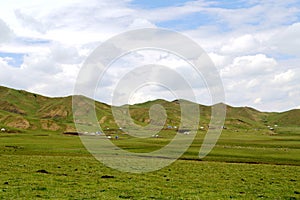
(219, 60)
(141, 23)
(6, 34)
(252, 83)
(65, 54)
(173, 12)
(288, 40)
(143, 95)
(247, 66)
(284, 77)
(130, 63)
(30, 22)
(260, 15)
(240, 45)
(251, 46)
(42, 72)
(257, 100)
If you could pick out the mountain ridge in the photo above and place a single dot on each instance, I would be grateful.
(21, 110)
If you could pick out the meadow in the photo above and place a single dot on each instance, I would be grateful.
(243, 165)
(249, 161)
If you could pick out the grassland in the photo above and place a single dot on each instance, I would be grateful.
(51, 165)
(250, 161)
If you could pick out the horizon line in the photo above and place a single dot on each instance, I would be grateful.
(201, 104)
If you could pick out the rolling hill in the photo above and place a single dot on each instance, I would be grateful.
(24, 111)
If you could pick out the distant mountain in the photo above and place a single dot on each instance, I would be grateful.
(21, 111)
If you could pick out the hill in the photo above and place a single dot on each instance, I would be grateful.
(21, 111)
(288, 118)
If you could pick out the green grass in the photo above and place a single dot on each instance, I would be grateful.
(78, 177)
(70, 172)
(249, 161)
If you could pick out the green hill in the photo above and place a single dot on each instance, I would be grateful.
(288, 118)
(21, 111)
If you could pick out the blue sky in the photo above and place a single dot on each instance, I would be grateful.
(254, 44)
(145, 4)
(190, 21)
(13, 59)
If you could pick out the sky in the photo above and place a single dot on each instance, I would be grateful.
(254, 45)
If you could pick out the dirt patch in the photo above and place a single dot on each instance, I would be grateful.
(4, 105)
(102, 120)
(17, 122)
(147, 120)
(58, 112)
(70, 128)
(49, 125)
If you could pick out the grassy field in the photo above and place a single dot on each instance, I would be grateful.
(256, 157)
(243, 165)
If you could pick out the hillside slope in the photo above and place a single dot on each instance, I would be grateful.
(21, 111)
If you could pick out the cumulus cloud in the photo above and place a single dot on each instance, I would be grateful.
(141, 23)
(259, 15)
(128, 66)
(284, 77)
(248, 66)
(6, 34)
(43, 72)
(30, 22)
(252, 83)
(65, 54)
(219, 60)
(261, 82)
(240, 45)
(253, 46)
(54, 83)
(173, 12)
(287, 40)
(257, 100)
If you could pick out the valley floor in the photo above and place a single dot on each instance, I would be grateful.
(54, 166)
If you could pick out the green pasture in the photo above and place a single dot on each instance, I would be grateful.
(243, 165)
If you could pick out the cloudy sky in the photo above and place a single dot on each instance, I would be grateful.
(254, 44)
